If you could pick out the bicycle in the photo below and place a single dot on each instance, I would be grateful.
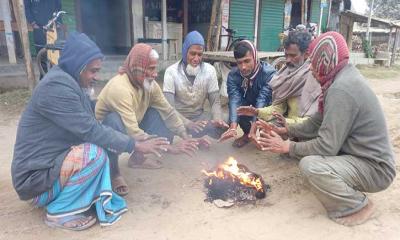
(50, 52)
(232, 41)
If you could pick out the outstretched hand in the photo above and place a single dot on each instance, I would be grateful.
(187, 146)
(230, 133)
(153, 145)
(272, 142)
(247, 111)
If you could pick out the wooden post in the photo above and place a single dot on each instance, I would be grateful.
(302, 12)
(19, 11)
(393, 56)
(215, 27)
(4, 5)
(185, 17)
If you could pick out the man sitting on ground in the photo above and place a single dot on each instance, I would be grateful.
(349, 152)
(187, 85)
(294, 89)
(60, 161)
(132, 102)
(247, 85)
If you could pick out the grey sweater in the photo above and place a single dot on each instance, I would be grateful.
(353, 123)
(59, 115)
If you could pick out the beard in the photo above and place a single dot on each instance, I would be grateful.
(89, 91)
(192, 71)
(147, 84)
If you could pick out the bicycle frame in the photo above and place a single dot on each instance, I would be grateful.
(53, 54)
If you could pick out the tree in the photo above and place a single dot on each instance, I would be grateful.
(388, 9)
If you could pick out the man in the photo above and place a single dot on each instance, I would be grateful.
(133, 103)
(294, 89)
(247, 85)
(59, 161)
(349, 152)
(38, 13)
(187, 85)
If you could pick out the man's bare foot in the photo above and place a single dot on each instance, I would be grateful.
(240, 142)
(360, 217)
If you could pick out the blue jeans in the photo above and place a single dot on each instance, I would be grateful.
(152, 123)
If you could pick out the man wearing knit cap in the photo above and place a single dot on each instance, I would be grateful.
(247, 86)
(132, 102)
(187, 85)
(349, 151)
(60, 156)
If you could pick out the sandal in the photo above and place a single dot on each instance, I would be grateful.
(60, 222)
(119, 186)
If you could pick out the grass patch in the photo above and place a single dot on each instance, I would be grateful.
(378, 72)
(15, 98)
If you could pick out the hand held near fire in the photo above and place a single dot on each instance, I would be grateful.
(196, 126)
(230, 133)
(152, 146)
(247, 111)
(187, 146)
(273, 142)
(219, 123)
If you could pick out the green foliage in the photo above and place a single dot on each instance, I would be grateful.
(367, 48)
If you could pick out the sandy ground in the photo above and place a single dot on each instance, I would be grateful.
(169, 203)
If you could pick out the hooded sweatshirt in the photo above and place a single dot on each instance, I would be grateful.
(57, 117)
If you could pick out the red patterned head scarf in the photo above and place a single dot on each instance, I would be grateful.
(329, 55)
(136, 64)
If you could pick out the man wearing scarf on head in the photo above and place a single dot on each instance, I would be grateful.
(60, 160)
(349, 152)
(294, 89)
(247, 85)
(132, 102)
(187, 85)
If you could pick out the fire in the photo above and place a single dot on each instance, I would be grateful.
(231, 170)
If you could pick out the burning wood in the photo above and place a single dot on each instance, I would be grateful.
(234, 182)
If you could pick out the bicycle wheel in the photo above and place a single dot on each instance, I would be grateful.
(279, 63)
(41, 58)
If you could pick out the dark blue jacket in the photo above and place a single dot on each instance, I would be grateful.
(57, 117)
(259, 95)
(41, 11)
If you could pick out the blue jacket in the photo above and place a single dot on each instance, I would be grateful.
(259, 95)
(58, 116)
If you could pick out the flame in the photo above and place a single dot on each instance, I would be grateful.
(230, 169)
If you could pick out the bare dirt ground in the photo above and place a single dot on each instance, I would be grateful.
(168, 203)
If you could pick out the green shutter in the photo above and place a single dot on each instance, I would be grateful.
(315, 12)
(70, 19)
(241, 17)
(271, 24)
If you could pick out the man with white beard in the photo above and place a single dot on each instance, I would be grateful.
(188, 84)
(132, 102)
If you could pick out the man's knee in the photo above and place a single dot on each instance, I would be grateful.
(114, 121)
(311, 165)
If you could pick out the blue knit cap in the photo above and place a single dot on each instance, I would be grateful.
(192, 38)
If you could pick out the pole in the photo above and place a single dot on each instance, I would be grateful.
(367, 37)
(8, 31)
(256, 23)
(19, 10)
(328, 21)
(185, 17)
(320, 20)
(164, 29)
